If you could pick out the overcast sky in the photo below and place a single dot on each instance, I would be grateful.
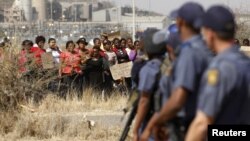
(166, 6)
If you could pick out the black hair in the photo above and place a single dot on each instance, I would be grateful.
(152, 56)
(123, 39)
(116, 39)
(40, 39)
(69, 42)
(107, 41)
(193, 28)
(51, 39)
(136, 41)
(130, 39)
(236, 41)
(27, 42)
(95, 39)
(226, 36)
(246, 40)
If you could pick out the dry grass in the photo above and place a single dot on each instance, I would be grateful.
(52, 118)
(90, 101)
(59, 119)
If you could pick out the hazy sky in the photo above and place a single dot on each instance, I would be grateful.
(166, 6)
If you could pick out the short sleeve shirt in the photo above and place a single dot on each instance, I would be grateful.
(148, 75)
(190, 65)
(224, 90)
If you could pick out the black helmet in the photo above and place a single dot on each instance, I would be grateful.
(151, 43)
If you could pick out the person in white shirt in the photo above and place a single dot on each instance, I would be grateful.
(111, 58)
(55, 50)
(109, 54)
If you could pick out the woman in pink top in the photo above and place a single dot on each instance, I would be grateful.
(131, 49)
(70, 69)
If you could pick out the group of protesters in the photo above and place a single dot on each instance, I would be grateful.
(78, 66)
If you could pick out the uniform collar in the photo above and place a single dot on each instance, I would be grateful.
(193, 39)
(232, 49)
(190, 40)
(157, 61)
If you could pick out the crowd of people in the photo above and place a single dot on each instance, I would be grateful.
(78, 66)
(195, 76)
(245, 42)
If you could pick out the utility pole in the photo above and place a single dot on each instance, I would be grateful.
(133, 6)
(75, 6)
(51, 9)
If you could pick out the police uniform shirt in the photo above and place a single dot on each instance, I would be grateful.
(193, 60)
(148, 74)
(224, 90)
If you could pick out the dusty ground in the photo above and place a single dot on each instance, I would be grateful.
(58, 120)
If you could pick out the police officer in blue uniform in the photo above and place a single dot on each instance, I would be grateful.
(190, 65)
(224, 93)
(173, 42)
(165, 85)
(148, 80)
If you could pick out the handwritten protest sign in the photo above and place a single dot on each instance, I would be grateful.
(245, 50)
(48, 61)
(121, 70)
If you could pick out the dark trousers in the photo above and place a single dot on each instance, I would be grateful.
(72, 83)
(108, 84)
(128, 83)
(54, 82)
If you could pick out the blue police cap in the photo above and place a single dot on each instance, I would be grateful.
(173, 28)
(189, 12)
(219, 18)
(169, 35)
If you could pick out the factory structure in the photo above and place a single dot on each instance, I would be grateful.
(71, 19)
(44, 10)
(41, 11)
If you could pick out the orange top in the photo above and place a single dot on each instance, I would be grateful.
(37, 55)
(70, 62)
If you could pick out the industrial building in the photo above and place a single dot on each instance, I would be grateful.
(71, 19)
(123, 15)
(46, 10)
